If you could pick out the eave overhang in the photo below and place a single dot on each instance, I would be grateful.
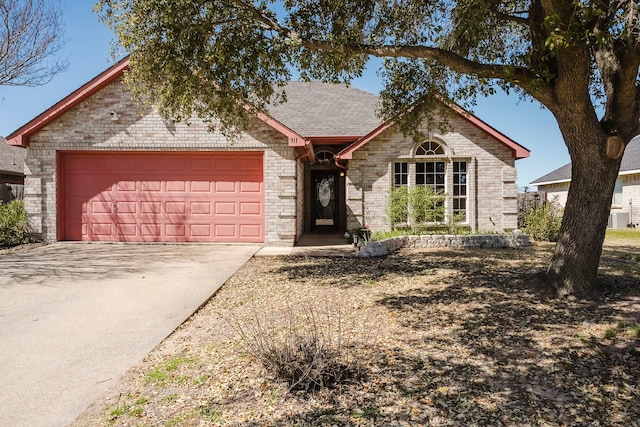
(21, 137)
(519, 152)
(557, 181)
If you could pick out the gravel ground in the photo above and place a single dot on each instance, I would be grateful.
(432, 337)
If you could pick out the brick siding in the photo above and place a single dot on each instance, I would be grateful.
(89, 127)
(491, 177)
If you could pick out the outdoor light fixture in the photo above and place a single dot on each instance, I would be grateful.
(114, 116)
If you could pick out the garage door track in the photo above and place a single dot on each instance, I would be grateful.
(74, 317)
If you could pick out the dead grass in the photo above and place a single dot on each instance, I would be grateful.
(449, 338)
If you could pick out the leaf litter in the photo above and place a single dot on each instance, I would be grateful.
(447, 337)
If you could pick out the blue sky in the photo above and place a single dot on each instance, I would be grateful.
(88, 52)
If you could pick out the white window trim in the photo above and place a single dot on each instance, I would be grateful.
(411, 180)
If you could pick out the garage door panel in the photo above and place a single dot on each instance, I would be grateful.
(176, 186)
(250, 208)
(223, 230)
(250, 187)
(98, 207)
(178, 164)
(200, 230)
(101, 229)
(226, 164)
(80, 187)
(200, 208)
(251, 165)
(127, 207)
(200, 187)
(152, 164)
(200, 164)
(249, 231)
(150, 230)
(127, 229)
(175, 208)
(152, 186)
(150, 207)
(126, 186)
(225, 208)
(160, 197)
(225, 187)
(175, 230)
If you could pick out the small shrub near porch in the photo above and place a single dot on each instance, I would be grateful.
(420, 210)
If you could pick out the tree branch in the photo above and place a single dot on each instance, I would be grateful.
(30, 35)
(513, 18)
(517, 75)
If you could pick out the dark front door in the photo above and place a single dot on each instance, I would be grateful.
(325, 210)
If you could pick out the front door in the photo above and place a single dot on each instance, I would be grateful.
(324, 203)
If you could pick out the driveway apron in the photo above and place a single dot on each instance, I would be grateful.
(75, 316)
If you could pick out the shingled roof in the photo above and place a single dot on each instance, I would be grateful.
(315, 112)
(11, 158)
(630, 164)
(315, 109)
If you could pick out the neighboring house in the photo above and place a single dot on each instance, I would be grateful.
(625, 204)
(103, 168)
(11, 163)
(11, 171)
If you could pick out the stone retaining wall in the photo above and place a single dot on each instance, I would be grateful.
(489, 241)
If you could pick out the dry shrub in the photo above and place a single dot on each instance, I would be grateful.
(303, 347)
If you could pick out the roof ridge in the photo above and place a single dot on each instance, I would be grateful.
(630, 161)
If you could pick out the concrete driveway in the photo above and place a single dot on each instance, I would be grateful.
(75, 316)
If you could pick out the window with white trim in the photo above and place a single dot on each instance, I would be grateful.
(430, 148)
(431, 174)
(400, 174)
(431, 168)
(460, 191)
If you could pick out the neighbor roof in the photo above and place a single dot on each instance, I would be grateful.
(630, 164)
(315, 109)
(11, 158)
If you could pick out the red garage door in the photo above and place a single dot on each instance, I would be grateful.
(162, 197)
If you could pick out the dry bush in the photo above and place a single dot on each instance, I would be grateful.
(303, 347)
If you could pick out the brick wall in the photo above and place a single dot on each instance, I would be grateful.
(491, 179)
(89, 126)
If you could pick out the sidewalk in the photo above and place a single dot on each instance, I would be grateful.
(313, 244)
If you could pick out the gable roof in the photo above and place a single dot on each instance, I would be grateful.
(630, 164)
(313, 110)
(21, 136)
(519, 151)
(11, 158)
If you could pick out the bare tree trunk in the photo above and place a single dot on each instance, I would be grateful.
(574, 265)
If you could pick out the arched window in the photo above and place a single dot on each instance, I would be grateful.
(324, 157)
(429, 148)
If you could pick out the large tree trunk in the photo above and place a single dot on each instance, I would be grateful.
(595, 166)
